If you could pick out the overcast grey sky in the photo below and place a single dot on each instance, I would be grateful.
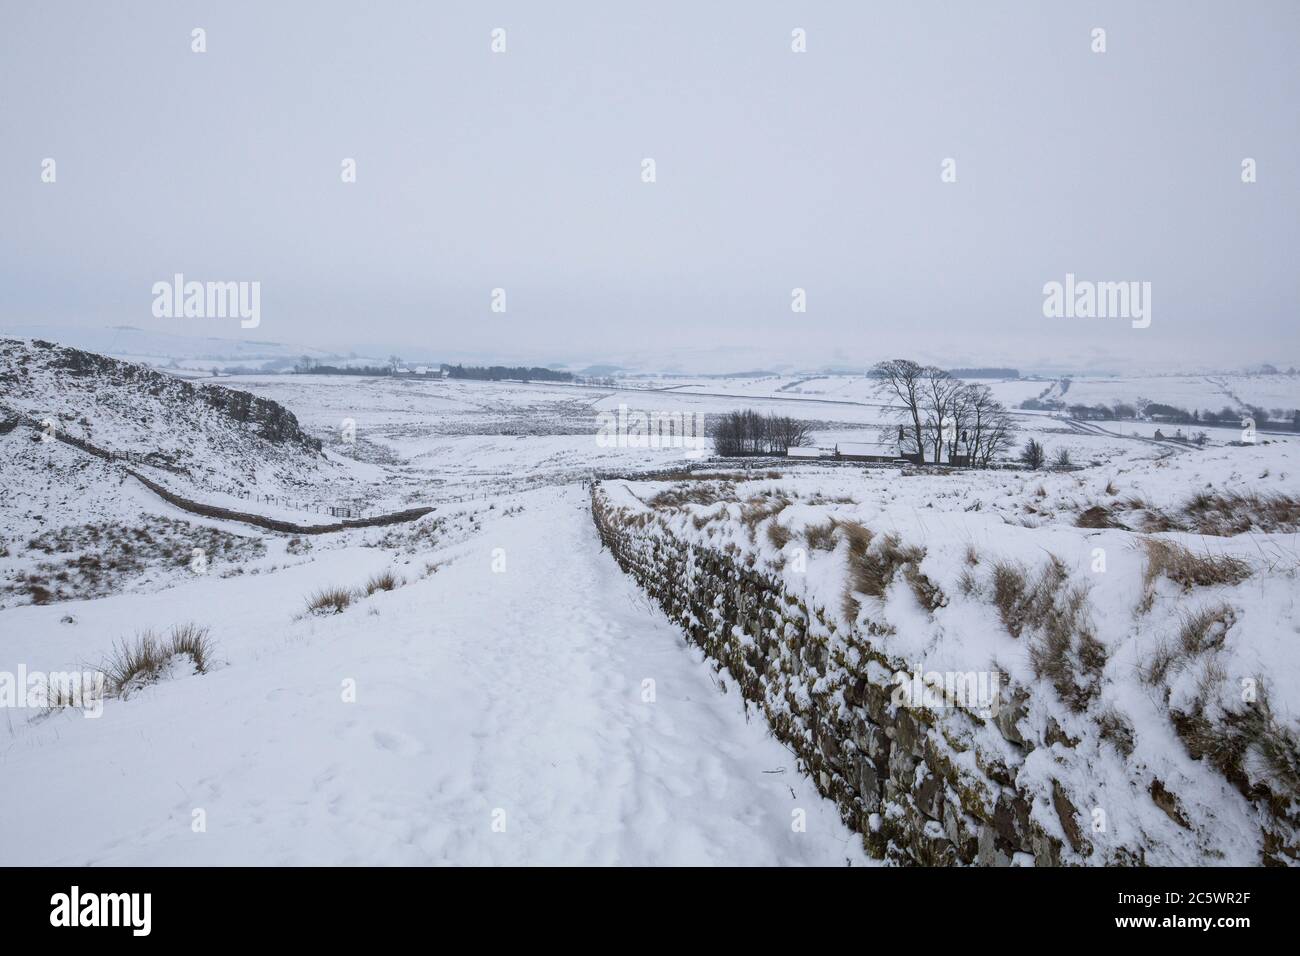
(775, 170)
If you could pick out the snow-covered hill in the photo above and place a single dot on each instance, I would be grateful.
(76, 426)
(197, 436)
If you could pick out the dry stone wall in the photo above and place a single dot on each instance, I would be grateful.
(910, 780)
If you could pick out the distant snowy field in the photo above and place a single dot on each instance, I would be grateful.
(466, 434)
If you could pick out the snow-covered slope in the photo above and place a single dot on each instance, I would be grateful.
(123, 406)
(75, 521)
(197, 438)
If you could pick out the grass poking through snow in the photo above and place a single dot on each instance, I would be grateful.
(1188, 569)
(150, 657)
(330, 601)
(383, 581)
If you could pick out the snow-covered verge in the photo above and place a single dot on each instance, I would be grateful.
(1105, 696)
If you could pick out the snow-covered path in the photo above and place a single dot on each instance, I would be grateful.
(499, 718)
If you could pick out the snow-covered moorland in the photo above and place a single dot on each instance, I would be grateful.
(489, 688)
(484, 685)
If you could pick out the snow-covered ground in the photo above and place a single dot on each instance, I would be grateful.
(485, 701)
(502, 711)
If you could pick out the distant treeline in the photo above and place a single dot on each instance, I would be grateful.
(314, 369)
(1264, 418)
(875, 372)
(496, 373)
(984, 372)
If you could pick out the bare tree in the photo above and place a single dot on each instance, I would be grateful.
(964, 434)
(727, 435)
(942, 412)
(998, 437)
(903, 380)
(985, 427)
(786, 433)
(940, 392)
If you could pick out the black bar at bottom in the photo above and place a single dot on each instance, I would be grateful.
(335, 905)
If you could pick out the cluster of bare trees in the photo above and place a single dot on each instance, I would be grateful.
(749, 433)
(938, 413)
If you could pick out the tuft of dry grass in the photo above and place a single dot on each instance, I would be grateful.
(1234, 738)
(857, 535)
(761, 507)
(966, 583)
(383, 581)
(1184, 567)
(872, 568)
(820, 499)
(778, 535)
(192, 641)
(698, 492)
(1010, 587)
(701, 520)
(1115, 728)
(330, 601)
(850, 605)
(820, 537)
(1277, 745)
(1063, 648)
(1206, 629)
(1098, 516)
(1236, 512)
(1200, 631)
(1222, 513)
(872, 573)
(1067, 653)
(133, 666)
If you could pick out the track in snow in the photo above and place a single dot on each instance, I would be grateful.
(482, 697)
